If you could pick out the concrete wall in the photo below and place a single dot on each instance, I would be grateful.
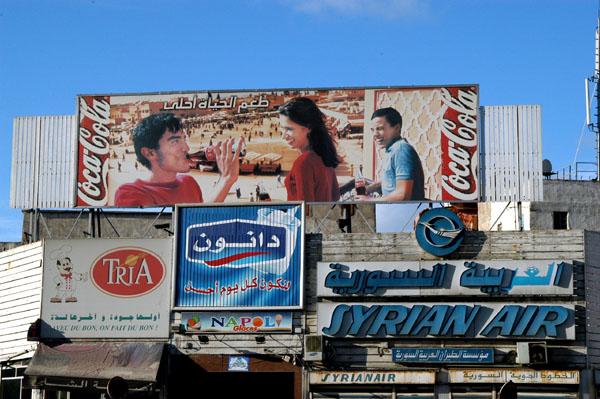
(580, 199)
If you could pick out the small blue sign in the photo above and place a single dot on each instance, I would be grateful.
(442, 355)
(238, 363)
(439, 231)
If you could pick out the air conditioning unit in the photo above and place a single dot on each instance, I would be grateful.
(532, 353)
(313, 348)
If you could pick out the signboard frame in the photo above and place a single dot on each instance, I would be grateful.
(78, 303)
(451, 134)
(261, 282)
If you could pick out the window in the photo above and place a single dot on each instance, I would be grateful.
(561, 220)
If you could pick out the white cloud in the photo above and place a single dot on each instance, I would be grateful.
(388, 9)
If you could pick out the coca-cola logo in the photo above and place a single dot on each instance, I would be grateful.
(128, 272)
(94, 132)
(459, 143)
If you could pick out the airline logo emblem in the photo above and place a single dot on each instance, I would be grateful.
(439, 231)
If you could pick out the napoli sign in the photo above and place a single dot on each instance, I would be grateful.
(439, 231)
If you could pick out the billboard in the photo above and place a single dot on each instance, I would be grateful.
(389, 144)
(106, 288)
(239, 257)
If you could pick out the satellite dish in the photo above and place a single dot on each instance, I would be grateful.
(546, 168)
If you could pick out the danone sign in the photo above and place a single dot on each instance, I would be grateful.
(239, 257)
(106, 288)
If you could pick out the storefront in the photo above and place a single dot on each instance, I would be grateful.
(456, 327)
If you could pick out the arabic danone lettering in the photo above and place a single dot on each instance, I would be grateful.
(441, 320)
(128, 272)
(93, 152)
(239, 243)
(459, 144)
(226, 289)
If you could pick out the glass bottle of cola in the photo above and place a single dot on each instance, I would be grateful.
(359, 183)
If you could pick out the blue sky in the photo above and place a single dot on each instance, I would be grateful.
(518, 51)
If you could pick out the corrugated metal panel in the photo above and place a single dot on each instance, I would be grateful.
(511, 153)
(20, 297)
(43, 166)
(239, 256)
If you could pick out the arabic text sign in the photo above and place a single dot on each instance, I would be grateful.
(446, 320)
(106, 288)
(451, 277)
(446, 144)
(238, 322)
(518, 376)
(239, 256)
(442, 355)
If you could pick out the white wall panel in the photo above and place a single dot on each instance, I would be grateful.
(511, 153)
(43, 165)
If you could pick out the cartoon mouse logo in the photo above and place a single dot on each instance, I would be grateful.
(66, 280)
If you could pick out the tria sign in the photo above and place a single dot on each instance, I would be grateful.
(127, 272)
(106, 288)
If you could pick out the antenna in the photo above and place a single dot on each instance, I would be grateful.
(588, 120)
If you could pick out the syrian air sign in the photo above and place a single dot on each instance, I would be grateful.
(452, 277)
(447, 320)
(239, 257)
(106, 288)
(439, 129)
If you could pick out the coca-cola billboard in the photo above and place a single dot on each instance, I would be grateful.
(349, 145)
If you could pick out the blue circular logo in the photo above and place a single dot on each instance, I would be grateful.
(439, 231)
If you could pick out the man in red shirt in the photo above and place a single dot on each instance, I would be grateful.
(160, 146)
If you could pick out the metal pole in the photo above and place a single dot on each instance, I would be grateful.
(597, 76)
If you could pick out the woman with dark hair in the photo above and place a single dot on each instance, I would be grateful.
(312, 177)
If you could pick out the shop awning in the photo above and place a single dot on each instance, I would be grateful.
(90, 366)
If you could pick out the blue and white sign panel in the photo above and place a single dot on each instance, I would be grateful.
(447, 320)
(443, 355)
(239, 257)
(448, 277)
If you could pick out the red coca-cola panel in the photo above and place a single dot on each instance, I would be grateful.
(459, 144)
(93, 151)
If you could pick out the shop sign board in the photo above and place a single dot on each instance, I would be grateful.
(371, 377)
(447, 320)
(443, 355)
(448, 277)
(237, 322)
(239, 257)
(238, 363)
(106, 288)
(438, 140)
(518, 376)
